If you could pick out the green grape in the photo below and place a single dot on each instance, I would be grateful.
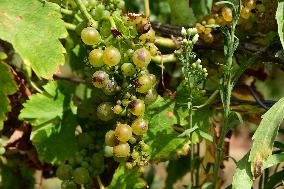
(152, 49)
(105, 14)
(117, 109)
(110, 87)
(96, 58)
(84, 139)
(128, 165)
(245, 13)
(123, 132)
(104, 111)
(141, 58)
(148, 37)
(68, 184)
(143, 83)
(137, 107)
(135, 155)
(98, 12)
(150, 96)
(100, 79)
(128, 69)
(2, 150)
(121, 150)
(111, 56)
(139, 126)
(81, 175)
(108, 151)
(98, 162)
(132, 140)
(110, 138)
(90, 36)
(64, 172)
(121, 4)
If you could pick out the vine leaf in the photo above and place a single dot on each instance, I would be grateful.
(243, 176)
(8, 86)
(51, 114)
(181, 13)
(273, 160)
(280, 21)
(161, 137)
(33, 28)
(124, 178)
(264, 137)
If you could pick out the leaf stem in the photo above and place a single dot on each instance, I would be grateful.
(166, 42)
(147, 8)
(86, 14)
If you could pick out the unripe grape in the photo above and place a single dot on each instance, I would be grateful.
(208, 38)
(121, 150)
(143, 83)
(104, 111)
(96, 58)
(123, 132)
(64, 172)
(250, 4)
(148, 37)
(200, 28)
(139, 126)
(100, 79)
(84, 140)
(81, 175)
(111, 56)
(137, 107)
(152, 49)
(68, 184)
(128, 69)
(90, 36)
(227, 14)
(245, 13)
(110, 138)
(151, 96)
(141, 57)
(135, 155)
(117, 109)
(211, 21)
(110, 88)
(108, 151)
(207, 30)
(97, 160)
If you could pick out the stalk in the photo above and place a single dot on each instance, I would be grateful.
(86, 14)
(226, 91)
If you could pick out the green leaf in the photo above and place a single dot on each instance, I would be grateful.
(51, 115)
(8, 86)
(48, 106)
(264, 137)
(280, 21)
(55, 142)
(161, 137)
(181, 13)
(201, 8)
(126, 179)
(176, 169)
(275, 179)
(127, 31)
(33, 28)
(242, 176)
(273, 160)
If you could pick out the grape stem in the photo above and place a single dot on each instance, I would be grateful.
(66, 11)
(70, 26)
(147, 8)
(86, 14)
(100, 182)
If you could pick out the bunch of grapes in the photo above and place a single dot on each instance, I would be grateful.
(120, 49)
(220, 15)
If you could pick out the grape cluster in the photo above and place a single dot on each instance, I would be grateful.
(220, 15)
(86, 164)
